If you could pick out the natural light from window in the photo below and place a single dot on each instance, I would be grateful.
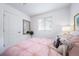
(45, 23)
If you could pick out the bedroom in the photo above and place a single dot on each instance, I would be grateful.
(32, 25)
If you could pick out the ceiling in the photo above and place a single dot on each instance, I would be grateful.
(32, 9)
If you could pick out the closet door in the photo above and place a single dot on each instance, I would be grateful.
(1, 30)
(11, 33)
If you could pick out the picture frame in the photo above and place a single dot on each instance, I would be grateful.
(26, 26)
(76, 22)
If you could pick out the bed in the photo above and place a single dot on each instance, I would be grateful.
(32, 47)
(73, 38)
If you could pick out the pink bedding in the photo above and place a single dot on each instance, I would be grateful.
(75, 49)
(32, 47)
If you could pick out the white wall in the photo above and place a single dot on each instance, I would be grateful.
(19, 16)
(74, 10)
(60, 17)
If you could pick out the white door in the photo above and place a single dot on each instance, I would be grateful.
(11, 33)
(1, 30)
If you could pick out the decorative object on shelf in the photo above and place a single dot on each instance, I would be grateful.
(76, 22)
(30, 33)
(26, 26)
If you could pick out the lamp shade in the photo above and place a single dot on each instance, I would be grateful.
(66, 29)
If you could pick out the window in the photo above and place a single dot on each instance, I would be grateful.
(45, 23)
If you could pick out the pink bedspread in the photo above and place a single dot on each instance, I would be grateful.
(32, 47)
(75, 49)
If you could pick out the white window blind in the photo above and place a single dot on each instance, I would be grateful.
(45, 23)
